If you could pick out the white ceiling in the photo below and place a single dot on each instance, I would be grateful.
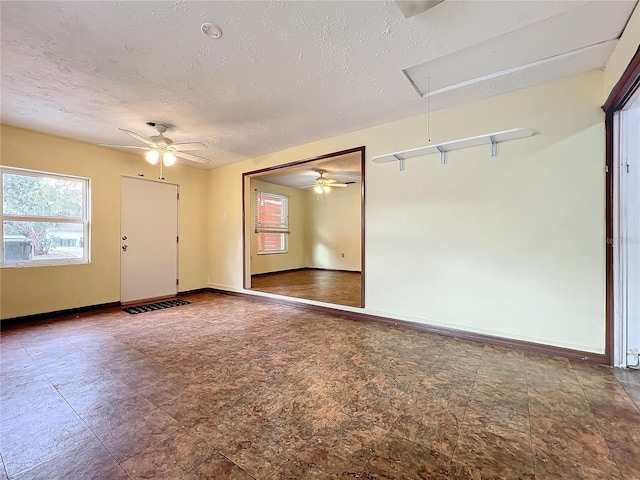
(283, 73)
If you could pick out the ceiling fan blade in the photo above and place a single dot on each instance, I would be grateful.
(329, 180)
(123, 146)
(192, 157)
(137, 137)
(339, 185)
(186, 146)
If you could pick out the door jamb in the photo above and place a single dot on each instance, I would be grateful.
(617, 99)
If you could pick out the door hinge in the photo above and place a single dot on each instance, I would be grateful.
(606, 168)
(177, 196)
(176, 281)
(177, 239)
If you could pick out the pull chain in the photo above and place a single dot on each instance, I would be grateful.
(429, 110)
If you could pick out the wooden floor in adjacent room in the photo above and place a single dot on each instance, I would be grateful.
(330, 286)
(234, 388)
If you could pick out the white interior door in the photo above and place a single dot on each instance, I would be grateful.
(148, 239)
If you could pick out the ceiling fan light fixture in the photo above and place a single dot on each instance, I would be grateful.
(152, 156)
(318, 189)
(168, 158)
(326, 188)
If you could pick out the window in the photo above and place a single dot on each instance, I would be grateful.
(45, 218)
(272, 222)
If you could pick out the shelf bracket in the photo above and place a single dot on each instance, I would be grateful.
(443, 148)
(400, 162)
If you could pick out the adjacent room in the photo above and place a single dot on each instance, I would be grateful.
(308, 240)
(306, 229)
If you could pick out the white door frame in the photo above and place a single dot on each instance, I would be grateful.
(626, 247)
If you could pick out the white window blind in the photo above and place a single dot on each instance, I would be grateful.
(271, 222)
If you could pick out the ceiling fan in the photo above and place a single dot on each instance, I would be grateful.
(158, 145)
(324, 185)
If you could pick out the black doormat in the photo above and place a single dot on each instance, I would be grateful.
(150, 307)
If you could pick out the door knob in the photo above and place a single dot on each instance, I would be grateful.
(124, 248)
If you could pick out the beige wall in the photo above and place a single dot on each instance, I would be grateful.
(333, 229)
(295, 256)
(511, 246)
(32, 290)
(623, 53)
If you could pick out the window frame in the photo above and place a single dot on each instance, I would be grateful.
(282, 229)
(85, 220)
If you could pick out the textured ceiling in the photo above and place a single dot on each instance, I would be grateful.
(341, 168)
(283, 73)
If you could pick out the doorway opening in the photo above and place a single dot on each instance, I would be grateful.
(622, 123)
(303, 229)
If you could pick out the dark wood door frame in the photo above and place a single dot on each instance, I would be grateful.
(627, 85)
(300, 162)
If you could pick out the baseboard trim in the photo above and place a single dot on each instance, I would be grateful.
(195, 291)
(335, 270)
(304, 268)
(589, 357)
(289, 270)
(59, 313)
(540, 348)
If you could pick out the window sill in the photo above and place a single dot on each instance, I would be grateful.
(44, 263)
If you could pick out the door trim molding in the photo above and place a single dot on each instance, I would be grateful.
(245, 175)
(621, 93)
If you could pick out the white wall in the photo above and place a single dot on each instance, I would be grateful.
(333, 229)
(511, 246)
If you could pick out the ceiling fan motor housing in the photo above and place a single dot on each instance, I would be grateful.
(161, 140)
(160, 127)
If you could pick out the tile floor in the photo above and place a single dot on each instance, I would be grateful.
(229, 388)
